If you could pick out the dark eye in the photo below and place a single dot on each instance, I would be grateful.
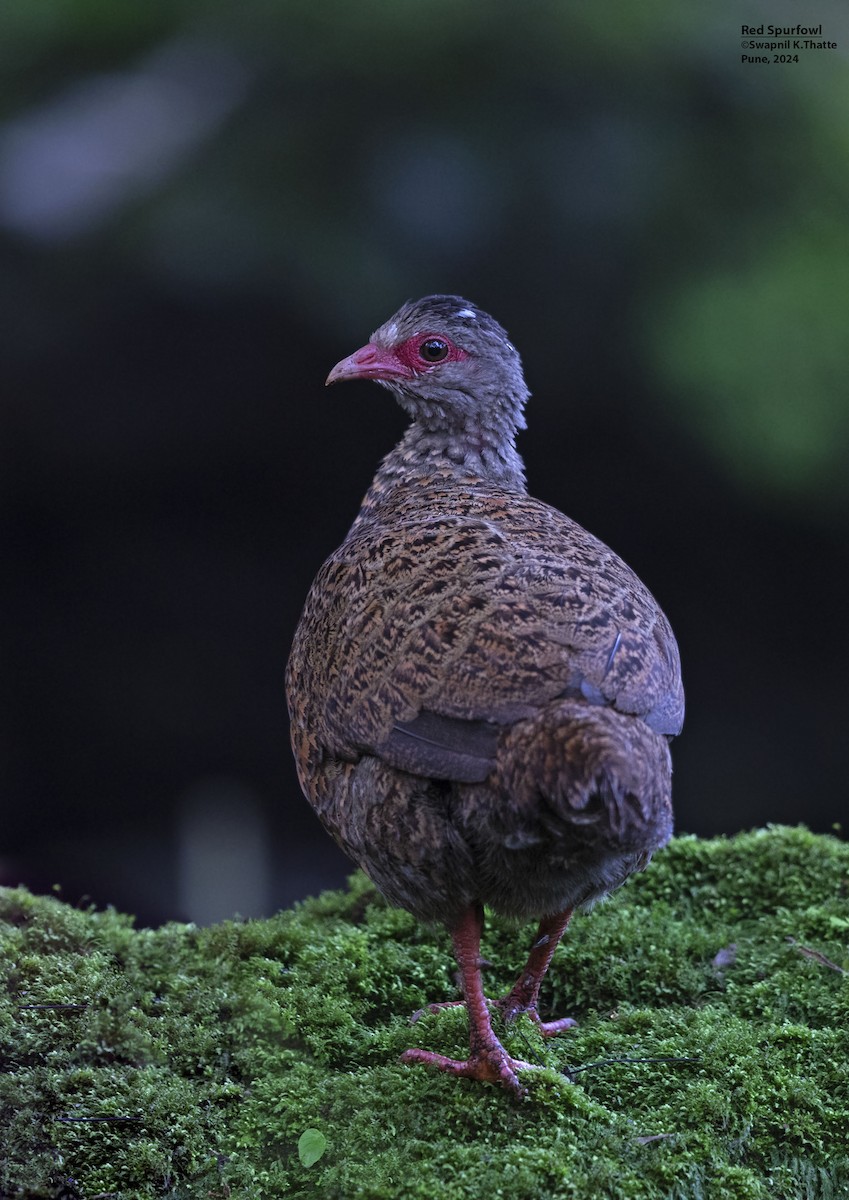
(434, 350)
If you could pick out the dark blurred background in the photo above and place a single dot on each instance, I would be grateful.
(204, 205)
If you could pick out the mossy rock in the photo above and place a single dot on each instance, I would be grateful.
(259, 1059)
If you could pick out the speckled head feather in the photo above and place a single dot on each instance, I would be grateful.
(449, 312)
(452, 367)
(484, 381)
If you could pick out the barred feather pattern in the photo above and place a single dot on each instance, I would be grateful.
(481, 693)
(545, 682)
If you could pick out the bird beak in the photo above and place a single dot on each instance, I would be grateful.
(370, 362)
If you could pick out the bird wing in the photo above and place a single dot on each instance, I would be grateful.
(436, 633)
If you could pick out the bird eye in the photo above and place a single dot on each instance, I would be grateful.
(434, 350)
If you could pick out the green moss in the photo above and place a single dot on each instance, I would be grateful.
(193, 1060)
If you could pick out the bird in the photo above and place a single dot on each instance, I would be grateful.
(481, 693)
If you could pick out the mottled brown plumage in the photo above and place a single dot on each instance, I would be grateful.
(481, 693)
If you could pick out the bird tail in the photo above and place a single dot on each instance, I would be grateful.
(589, 774)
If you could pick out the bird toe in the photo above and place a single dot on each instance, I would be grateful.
(489, 1065)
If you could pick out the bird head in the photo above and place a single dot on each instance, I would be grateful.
(450, 365)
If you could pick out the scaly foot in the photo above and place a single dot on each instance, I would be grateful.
(510, 1010)
(524, 995)
(490, 1065)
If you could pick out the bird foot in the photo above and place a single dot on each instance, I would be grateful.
(510, 1010)
(490, 1065)
(552, 1028)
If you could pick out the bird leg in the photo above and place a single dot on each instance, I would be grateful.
(488, 1061)
(524, 995)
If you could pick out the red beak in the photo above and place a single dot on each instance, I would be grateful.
(370, 362)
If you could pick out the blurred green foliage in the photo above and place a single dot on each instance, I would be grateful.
(772, 403)
(611, 168)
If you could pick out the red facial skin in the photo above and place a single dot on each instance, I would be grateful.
(404, 361)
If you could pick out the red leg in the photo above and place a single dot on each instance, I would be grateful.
(488, 1061)
(524, 994)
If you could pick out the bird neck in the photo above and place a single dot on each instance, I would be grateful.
(444, 458)
(473, 449)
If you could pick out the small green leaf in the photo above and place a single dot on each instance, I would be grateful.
(311, 1145)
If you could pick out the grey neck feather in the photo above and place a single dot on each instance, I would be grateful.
(460, 433)
(440, 451)
(472, 451)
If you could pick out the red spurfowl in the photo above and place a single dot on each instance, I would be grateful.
(481, 693)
